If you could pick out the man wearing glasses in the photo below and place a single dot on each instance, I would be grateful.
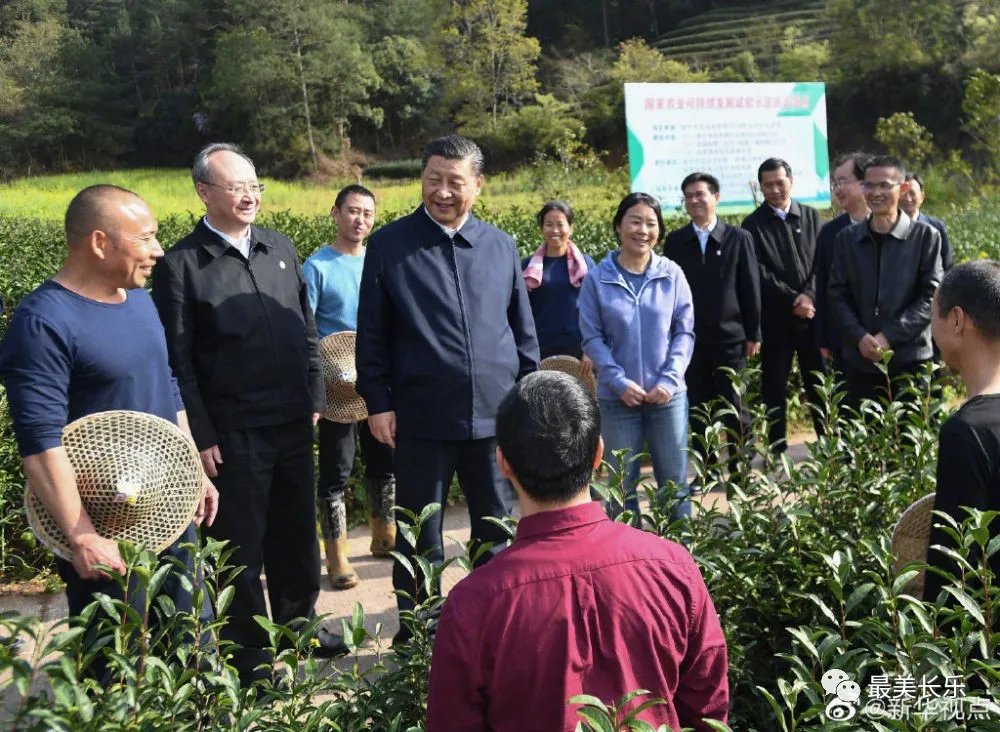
(885, 272)
(848, 170)
(242, 343)
(720, 264)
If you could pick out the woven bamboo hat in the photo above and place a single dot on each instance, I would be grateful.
(138, 475)
(342, 401)
(910, 540)
(569, 365)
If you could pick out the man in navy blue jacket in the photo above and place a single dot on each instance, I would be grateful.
(444, 331)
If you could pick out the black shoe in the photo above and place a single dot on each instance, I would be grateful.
(331, 645)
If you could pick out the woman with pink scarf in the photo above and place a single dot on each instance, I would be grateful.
(553, 275)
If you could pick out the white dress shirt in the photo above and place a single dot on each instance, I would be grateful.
(242, 245)
(703, 234)
(449, 232)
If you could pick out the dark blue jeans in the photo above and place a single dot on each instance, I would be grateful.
(661, 428)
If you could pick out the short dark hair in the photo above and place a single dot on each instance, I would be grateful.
(634, 199)
(858, 158)
(86, 213)
(548, 428)
(887, 161)
(773, 164)
(560, 206)
(707, 178)
(455, 147)
(975, 287)
(352, 190)
(915, 177)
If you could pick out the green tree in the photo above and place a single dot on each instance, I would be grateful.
(407, 89)
(546, 127)
(742, 68)
(637, 62)
(40, 119)
(982, 117)
(801, 60)
(875, 35)
(487, 63)
(981, 23)
(905, 138)
(296, 73)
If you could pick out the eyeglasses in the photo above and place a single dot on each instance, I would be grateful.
(880, 186)
(239, 189)
(842, 183)
(696, 196)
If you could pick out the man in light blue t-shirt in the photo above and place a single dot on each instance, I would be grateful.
(333, 276)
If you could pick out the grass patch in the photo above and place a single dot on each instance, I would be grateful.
(170, 191)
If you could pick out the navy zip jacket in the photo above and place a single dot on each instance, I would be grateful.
(725, 282)
(444, 327)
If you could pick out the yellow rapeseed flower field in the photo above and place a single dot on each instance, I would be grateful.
(171, 191)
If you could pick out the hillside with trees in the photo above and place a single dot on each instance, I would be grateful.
(320, 87)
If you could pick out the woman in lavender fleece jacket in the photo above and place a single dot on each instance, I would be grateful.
(637, 321)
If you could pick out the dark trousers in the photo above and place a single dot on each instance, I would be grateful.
(267, 510)
(786, 336)
(868, 385)
(337, 445)
(424, 469)
(81, 592)
(707, 382)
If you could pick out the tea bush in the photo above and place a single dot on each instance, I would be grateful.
(31, 250)
(798, 568)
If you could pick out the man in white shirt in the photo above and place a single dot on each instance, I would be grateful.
(721, 267)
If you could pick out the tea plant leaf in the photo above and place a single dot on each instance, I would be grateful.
(967, 602)
(858, 596)
(598, 720)
(902, 580)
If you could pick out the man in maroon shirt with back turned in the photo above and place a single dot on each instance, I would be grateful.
(577, 604)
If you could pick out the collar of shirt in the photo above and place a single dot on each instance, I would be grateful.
(242, 245)
(781, 213)
(703, 234)
(450, 233)
(708, 229)
(560, 519)
(899, 231)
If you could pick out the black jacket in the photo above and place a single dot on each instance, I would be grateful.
(822, 264)
(785, 252)
(888, 291)
(444, 327)
(240, 334)
(725, 283)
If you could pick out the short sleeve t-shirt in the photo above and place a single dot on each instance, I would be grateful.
(66, 356)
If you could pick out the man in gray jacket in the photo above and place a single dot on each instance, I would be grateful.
(885, 272)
